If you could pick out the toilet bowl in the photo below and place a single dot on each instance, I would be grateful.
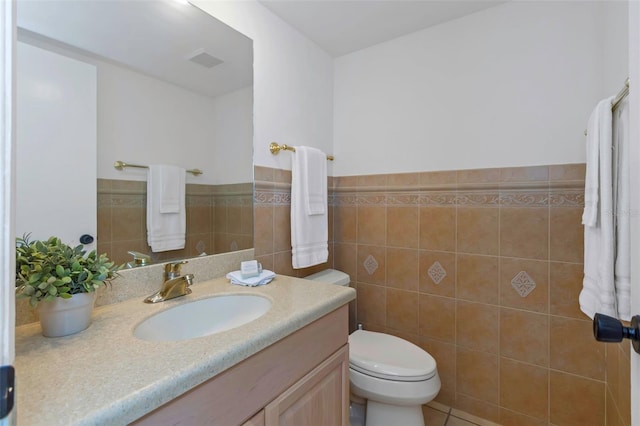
(394, 376)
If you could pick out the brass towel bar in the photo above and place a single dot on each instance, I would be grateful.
(275, 148)
(120, 165)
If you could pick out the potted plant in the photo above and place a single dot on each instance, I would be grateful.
(64, 279)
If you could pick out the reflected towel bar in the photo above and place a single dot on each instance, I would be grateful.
(120, 165)
(275, 148)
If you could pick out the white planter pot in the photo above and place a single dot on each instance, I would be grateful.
(62, 317)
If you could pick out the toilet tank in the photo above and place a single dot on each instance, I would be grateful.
(330, 276)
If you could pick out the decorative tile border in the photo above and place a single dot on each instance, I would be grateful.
(491, 193)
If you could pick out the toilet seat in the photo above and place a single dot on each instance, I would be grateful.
(389, 357)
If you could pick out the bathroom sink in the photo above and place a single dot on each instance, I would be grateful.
(202, 317)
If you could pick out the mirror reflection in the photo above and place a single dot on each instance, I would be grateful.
(146, 83)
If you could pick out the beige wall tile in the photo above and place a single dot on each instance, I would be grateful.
(403, 227)
(438, 178)
(611, 411)
(477, 376)
(524, 232)
(372, 301)
(281, 228)
(624, 386)
(234, 219)
(104, 224)
(478, 326)
(199, 219)
(403, 269)
(345, 181)
(477, 230)
(127, 224)
(265, 174)
(402, 310)
(478, 278)
(403, 179)
(345, 259)
(282, 176)
(372, 225)
(371, 180)
(511, 418)
(220, 216)
(564, 172)
(524, 174)
(433, 417)
(574, 350)
(283, 264)
(445, 356)
(537, 271)
(345, 225)
(438, 273)
(475, 407)
(438, 228)
(565, 285)
(566, 235)
(613, 358)
(524, 388)
(437, 318)
(263, 235)
(368, 272)
(576, 401)
(524, 336)
(478, 175)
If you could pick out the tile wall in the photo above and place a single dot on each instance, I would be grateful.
(219, 219)
(482, 268)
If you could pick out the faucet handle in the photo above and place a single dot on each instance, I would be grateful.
(172, 269)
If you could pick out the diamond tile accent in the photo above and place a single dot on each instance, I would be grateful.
(234, 245)
(437, 272)
(200, 247)
(523, 283)
(370, 264)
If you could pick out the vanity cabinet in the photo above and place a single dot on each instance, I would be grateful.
(301, 380)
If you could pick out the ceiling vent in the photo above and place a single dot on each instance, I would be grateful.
(201, 57)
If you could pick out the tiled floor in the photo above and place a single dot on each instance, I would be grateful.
(433, 417)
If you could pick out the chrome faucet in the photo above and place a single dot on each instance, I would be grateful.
(174, 285)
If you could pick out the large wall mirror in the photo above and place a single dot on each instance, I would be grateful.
(143, 82)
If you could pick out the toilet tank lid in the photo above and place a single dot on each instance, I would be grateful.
(330, 276)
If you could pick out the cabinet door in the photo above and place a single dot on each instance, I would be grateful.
(257, 420)
(319, 398)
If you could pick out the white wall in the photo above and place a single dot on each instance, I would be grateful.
(293, 81)
(615, 46)
(143, 120)
(509, 86)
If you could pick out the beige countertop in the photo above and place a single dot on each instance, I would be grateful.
(105, 375)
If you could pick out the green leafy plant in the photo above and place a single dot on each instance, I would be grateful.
(49, 269)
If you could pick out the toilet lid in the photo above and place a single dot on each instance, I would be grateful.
(389, 357)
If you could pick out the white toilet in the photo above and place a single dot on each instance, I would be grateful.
(394, 376)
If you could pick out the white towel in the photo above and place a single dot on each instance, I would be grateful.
(598, 292)
(622, 268)
(309, 219)
(166, 215)
(265, 277)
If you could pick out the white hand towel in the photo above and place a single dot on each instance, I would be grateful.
(309, 219)
(166, 214)
(314, 180)
(265, 277)
(598, 292)
(622, 268)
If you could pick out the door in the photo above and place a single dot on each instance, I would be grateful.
(7, 248)
(634, 134)
(56, 146)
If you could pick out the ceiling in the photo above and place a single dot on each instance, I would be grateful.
(341, 27)
(156, 38)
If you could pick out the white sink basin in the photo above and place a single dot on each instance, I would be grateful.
(202, 317)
